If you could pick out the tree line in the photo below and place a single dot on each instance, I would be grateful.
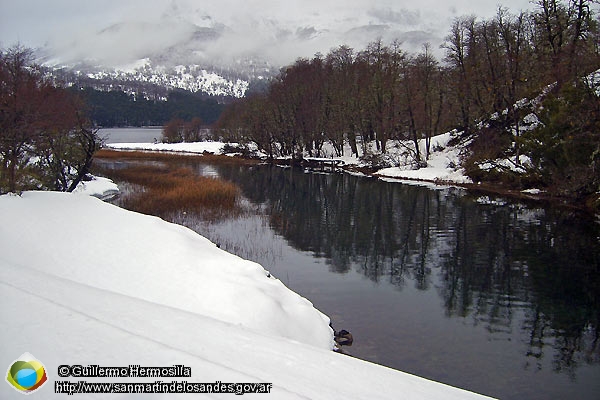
(178, 130)
(117, 108)
(383, 93)
(46, 139)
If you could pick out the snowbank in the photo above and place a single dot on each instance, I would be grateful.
(146, 258)
(98, 187)
(85, 282)
(194, 147)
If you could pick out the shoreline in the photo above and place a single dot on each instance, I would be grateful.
(337, 165)
(213, 334)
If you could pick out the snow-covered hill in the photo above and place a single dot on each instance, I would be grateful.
(87, 283)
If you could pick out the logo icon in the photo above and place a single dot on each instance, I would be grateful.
(26, 374)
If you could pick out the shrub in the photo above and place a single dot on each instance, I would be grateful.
(566, 145)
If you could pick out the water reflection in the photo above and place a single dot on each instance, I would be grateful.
(499, 299)
(540, 270)
(506, 267)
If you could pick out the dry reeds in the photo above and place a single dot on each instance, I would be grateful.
(175, 190)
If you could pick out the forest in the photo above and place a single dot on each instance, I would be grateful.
(117, 108)
(541, 63)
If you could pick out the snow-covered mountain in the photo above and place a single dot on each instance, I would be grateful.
(219, 37)
(215, 50)
(149, 79)
(153, 81)
(152, 57)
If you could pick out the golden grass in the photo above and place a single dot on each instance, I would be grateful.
(175, 190)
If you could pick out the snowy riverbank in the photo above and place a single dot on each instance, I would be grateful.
(443, 164)
(442, 169)
(85, 282)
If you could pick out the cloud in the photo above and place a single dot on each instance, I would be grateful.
(306, 33)
(401, 17)
(122, 42)
(116, 32)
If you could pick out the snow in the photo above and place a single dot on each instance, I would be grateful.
(166, 264)
(442, 164)
(415, 182)
(508, 164)
(191, 77)
(132, 67)
(193, 147)
(532, 191)
(487, 200)
(85, 282)
(99, 187)
(593, 81)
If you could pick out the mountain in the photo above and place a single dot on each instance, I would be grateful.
(149, 59)
(148, 79)
(222, 51)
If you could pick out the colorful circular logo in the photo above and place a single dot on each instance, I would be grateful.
(26, 374)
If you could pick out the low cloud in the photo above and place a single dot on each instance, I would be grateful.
(400, 17)
(117, 32)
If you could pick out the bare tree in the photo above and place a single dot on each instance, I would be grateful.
(45, 139)
(457, 52)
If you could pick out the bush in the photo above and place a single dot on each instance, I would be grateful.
(243, 149)
(566, 148)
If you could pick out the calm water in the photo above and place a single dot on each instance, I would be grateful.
(131, 135)
(500, 298)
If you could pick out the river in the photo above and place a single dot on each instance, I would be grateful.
(487, 294)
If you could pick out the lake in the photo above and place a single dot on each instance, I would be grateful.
(131, 135)
(483, 293)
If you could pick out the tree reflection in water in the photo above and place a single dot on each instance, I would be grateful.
(528, 277)
(506, 267)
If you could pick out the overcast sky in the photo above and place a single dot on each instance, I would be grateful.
(121, 31)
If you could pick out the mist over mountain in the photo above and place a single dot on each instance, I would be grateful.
(186, 32)
(236, 40)
(207, 56)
